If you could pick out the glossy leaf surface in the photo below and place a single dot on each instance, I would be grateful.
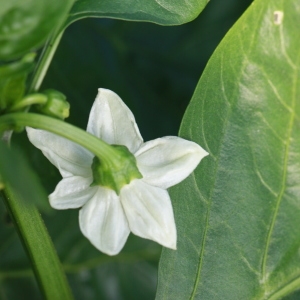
(26, 24)
(238, 215)
(155, 69)
(165, 12)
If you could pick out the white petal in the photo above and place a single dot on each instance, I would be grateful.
(112, 121)
(166, 161)
(149, 212)
(68, 157)
(72, 192)
(103, 222)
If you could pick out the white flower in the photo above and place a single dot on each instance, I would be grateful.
(143, 206)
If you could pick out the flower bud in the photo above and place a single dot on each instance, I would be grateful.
(56, 105)
(117, 173)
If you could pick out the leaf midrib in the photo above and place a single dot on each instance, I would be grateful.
(284, 175)
(217, 165)
(210, 200)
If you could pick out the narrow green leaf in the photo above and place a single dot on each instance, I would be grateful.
(38, 245)
(238, 214)
(26, 24)
(164, 12)
(16, 172)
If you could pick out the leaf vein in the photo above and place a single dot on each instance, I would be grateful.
(265, 184)
(271, 128)
(197, 279)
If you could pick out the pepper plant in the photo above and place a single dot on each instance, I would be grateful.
(214, 213)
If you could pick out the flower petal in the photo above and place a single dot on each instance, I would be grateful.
(166, 161)
(149, 212)
(103, 222)
(112, 121)
(72, 192)
(68, 157)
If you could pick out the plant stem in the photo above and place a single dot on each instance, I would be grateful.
(101, 149)
(44, 62)
(29, 100)
(38, 244)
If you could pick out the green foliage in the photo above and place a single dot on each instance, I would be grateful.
(22, 179)
(12, 80)
(164, 12)
(26, 24)
(238, 214)
(155, 70)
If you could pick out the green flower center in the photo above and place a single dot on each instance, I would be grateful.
(116, 173)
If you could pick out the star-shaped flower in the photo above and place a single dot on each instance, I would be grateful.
(143, 206)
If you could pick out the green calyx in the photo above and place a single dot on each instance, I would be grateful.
(116, 173)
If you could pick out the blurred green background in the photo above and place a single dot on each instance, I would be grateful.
(155, 70)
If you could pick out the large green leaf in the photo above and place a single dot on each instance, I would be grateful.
(165, 12)
(159, 68)
(238, 215)
(26, 24)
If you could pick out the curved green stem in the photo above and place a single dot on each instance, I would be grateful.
(29, 100)
(38, 245)
(101, 149)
